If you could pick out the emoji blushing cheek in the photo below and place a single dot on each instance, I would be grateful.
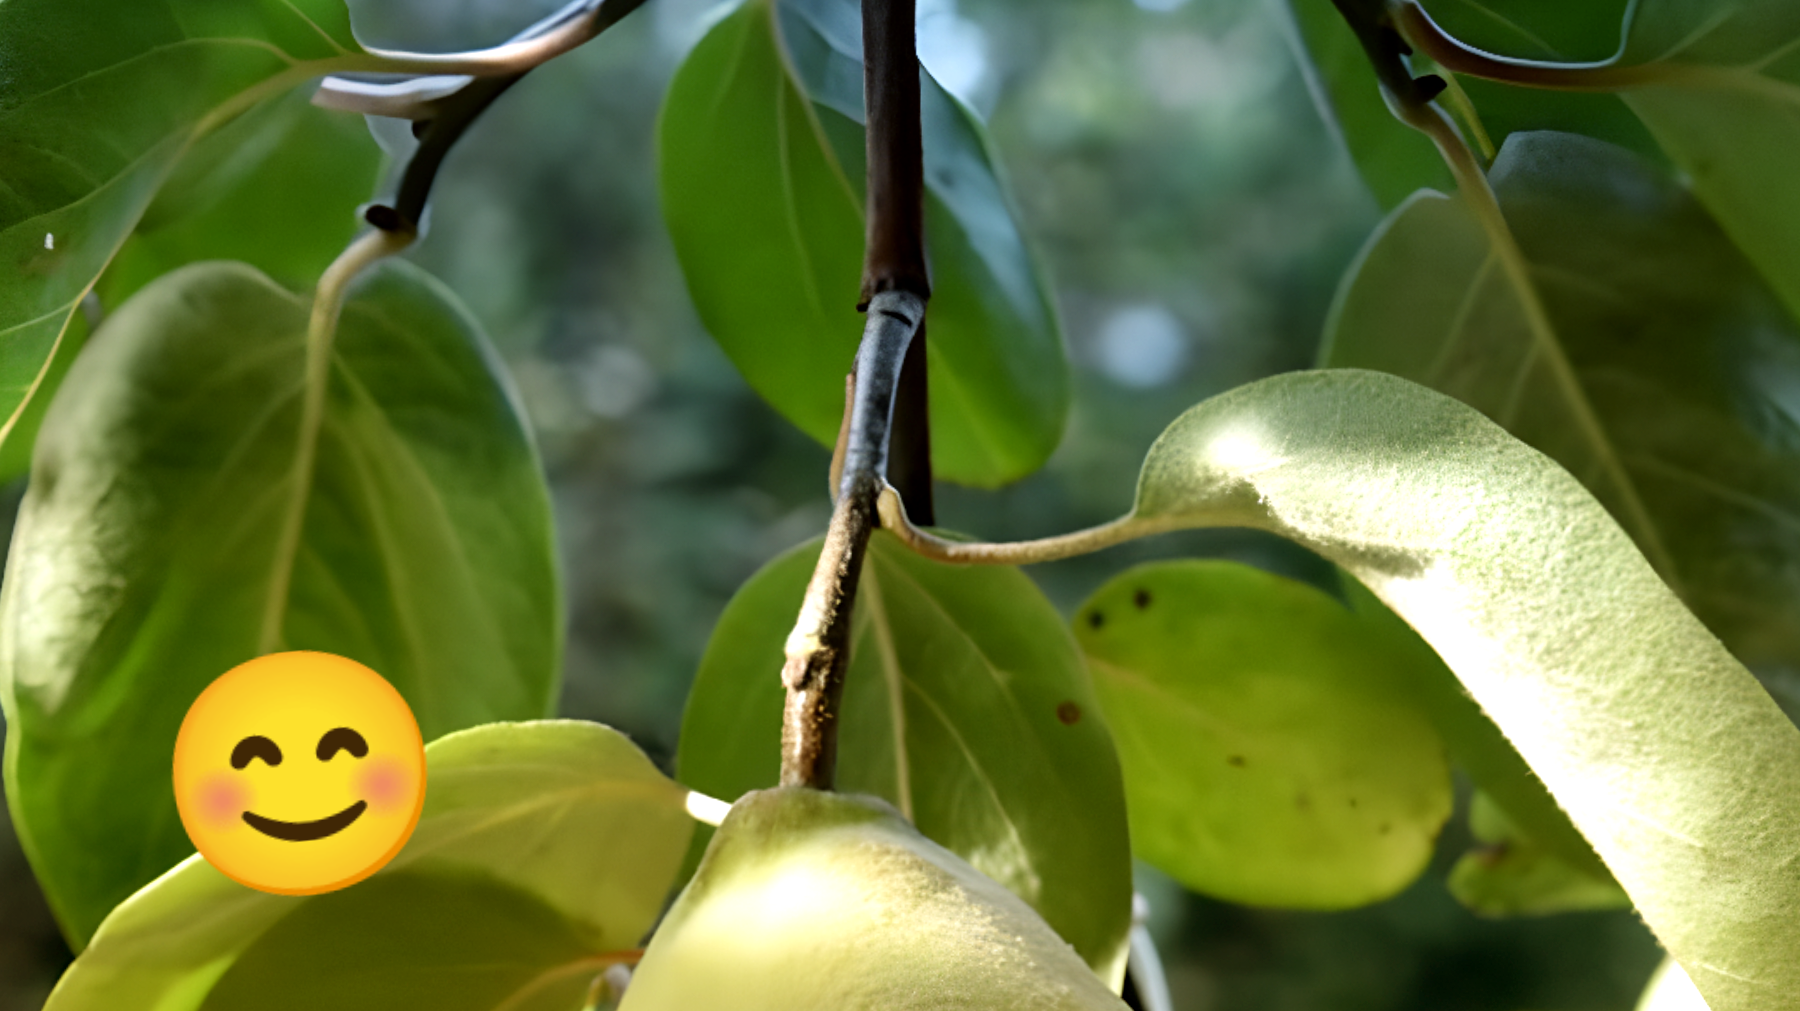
(385, 784)
(223, 799)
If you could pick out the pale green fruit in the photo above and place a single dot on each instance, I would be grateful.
(813, 900)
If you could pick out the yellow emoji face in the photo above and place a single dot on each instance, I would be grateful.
(299, 773)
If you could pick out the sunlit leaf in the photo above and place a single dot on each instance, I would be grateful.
(1670, 989)
(1668, 385)
(543, 848)
(965, 705)
(148, 552)
(1271, 755)
(1509, 874)
(761, 177)
(1393, 158)
(1475, 744)
(1669, 757)
(99, 100)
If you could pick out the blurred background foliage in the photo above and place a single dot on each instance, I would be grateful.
(1195, 214)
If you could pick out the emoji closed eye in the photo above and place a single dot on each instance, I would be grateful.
(342, 739)
(255, 746)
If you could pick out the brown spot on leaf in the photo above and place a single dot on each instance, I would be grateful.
(1069, 713)
(1141, 598)
(1385, 828)
(1303, 802)
(1096, 619)
(1235, 761)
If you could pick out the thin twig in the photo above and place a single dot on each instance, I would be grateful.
(1417, 27)
(893, 511)
(568, 28)
(818, 649)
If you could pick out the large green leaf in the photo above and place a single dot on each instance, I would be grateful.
(543, 847)
(1667, 754)
(148, 556)
(99, 100)
(1271, 754)
(276, 188)
(965, 705)
(1475, 744)
(1393, 158)
(1717, 84)
(1661, 385)
(761, 177)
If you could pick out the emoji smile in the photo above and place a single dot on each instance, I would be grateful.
(306, 831)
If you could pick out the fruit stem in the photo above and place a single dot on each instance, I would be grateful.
(818, 649)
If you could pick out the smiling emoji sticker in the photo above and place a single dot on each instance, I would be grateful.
(299, 773)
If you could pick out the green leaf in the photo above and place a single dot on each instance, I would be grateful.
(276, 188)
(1271, 756)
(1393, 158)
(446, 942)
(760, 149)
(16, 442)
(149, 554)
(99, 101)
(965, 705)
(1476, 745)
(542, 847)
(1661, 385)
(1669, 757)
(1727, 111)
(1511, 875)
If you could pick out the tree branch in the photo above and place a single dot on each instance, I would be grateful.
(894, 253)
(818, 649)
(886, 396)
(894, 257)
(435, 76)
(1411, 21)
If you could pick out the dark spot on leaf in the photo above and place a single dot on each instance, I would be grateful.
(1141, 599)
(1096, 619)
(1352, 801)
(1068, 712)
(1303, 802)
(1385, 828)
(1235, 761)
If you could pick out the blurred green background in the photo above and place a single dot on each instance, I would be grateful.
(1195, 214)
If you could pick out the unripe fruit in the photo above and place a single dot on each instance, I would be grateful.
(813, 900)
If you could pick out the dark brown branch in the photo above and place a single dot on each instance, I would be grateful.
(1411, 21)
(894, 257)
(818, 649)
(909, 455)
